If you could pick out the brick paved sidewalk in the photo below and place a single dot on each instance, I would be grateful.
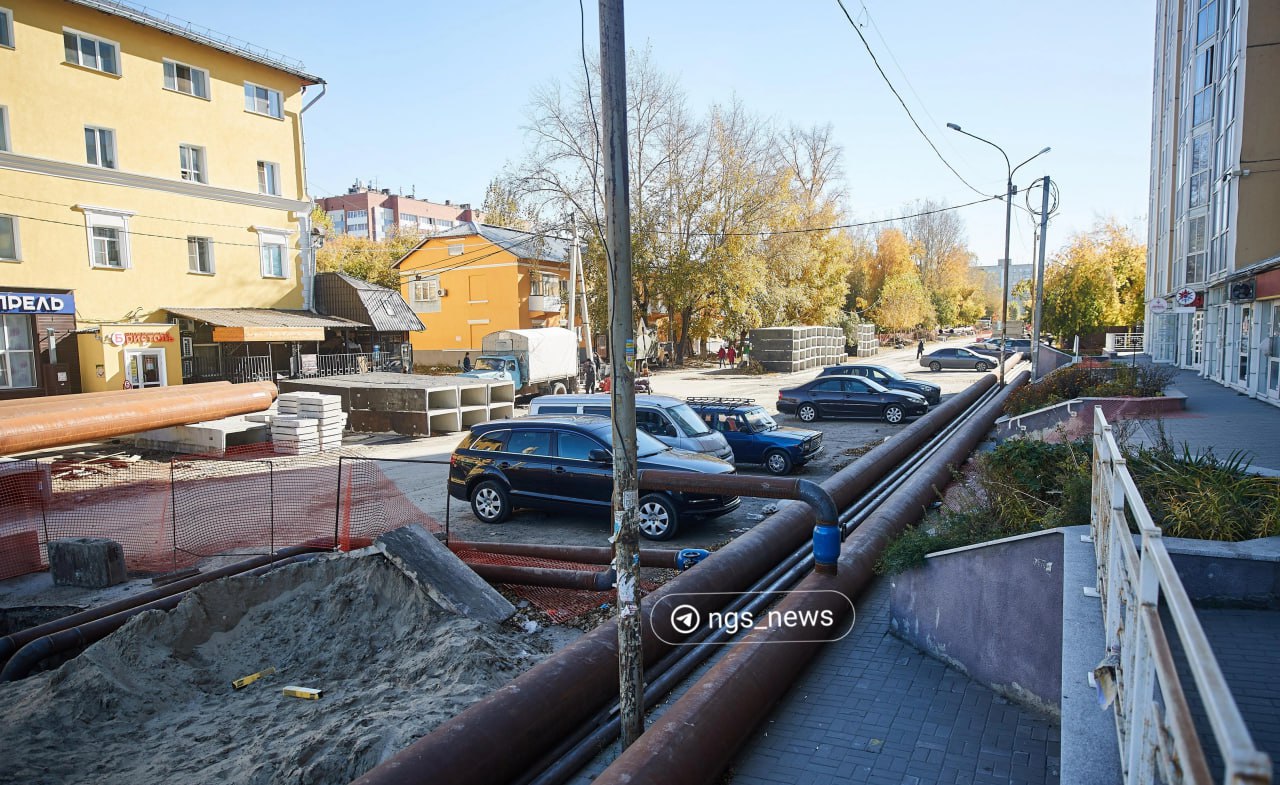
(873, 709)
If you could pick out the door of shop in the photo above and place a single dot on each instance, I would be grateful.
(144, 367)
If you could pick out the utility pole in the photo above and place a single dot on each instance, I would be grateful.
(1004, 296)
(1044, 240)
(586, 312)
(573, 277)
(626, 518)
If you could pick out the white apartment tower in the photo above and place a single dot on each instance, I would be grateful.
(1213, 254)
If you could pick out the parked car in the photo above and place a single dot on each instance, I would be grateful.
(1011, 345)
(830, 396)
(887, 377)
(753, 435)
(566, 463)
(982, 348)
(669, 420)
(962, 359)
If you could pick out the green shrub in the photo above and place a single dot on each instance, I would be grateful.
(1076, 381)
(1205, 497)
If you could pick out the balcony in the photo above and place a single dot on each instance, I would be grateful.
(545, 303)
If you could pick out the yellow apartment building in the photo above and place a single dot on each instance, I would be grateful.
(153, 201)
(476, 278)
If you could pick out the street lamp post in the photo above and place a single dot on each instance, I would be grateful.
(1009, 191)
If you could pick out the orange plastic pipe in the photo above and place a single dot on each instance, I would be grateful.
(60, 422)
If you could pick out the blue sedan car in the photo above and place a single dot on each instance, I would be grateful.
(755, 437)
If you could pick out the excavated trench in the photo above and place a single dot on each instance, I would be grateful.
(153, 702)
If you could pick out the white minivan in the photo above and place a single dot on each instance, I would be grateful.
(669, 420)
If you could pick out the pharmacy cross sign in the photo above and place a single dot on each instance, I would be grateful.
(1184, 296)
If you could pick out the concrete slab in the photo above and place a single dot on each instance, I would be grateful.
(88, 562)
(444, 577)
(212, 437)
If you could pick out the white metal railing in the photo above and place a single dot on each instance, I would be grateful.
(1124, 342)
(255, 368)
(339, 364)
(1132, 581)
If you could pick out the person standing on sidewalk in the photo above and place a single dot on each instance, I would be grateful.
(731, 355)
(720, 355)
(920, 349)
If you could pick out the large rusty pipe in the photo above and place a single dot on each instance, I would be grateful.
(14, 641)
(589, 580)
(77, 636)
(697, 737)
(18, 404)
(57, 423)
(583, 677)
(583, 554)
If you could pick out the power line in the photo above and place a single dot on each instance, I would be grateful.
(905, 108)
(498, 248)
(132, 233)
(135, 215)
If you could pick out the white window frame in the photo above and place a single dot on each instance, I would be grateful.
(253, 109)
(426, 290)
(271, 171)
(270, 237)
(200, 171)
(5, 352)
(194, 243)
(107, 218)
(6, 28)
(17, 240)
(4, 129)
(170, 68)
(97, 147)
(98, 41)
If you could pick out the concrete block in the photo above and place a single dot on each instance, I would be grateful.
(442, 575)
(89, 562)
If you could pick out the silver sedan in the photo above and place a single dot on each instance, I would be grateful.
(958, 358)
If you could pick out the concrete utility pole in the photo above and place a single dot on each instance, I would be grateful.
(626, 515)
(573, 276)
(1035, 321)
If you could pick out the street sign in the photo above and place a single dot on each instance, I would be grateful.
(1159, 305)
(1184, 296)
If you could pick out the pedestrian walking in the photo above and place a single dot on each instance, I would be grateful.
(721, 355)
(731, 355)
(746, 351)
(920, 349)
(591, 377)
(466, 362)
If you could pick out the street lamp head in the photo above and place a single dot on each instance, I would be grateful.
(953, 126)
(1045, 150)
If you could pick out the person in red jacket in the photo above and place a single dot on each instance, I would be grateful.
(721, 355)
(732, 355)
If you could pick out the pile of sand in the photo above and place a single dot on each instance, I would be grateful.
(154, 703)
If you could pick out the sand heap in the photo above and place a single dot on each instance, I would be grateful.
(154, 702)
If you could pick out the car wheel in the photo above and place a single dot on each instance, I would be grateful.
(777, 462)
(490, 502)
(807, 412)
(658, 519)
(894, 414)
(980, 367)
(935, 366)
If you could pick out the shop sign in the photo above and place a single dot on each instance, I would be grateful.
(36, 303)
(1159, 305)
(120, 338)
(1185, 296)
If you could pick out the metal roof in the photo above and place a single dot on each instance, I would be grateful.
(534, 246)
(345, 296)
(261, 317)
(202, 35)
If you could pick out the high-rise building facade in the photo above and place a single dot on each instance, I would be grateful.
(1213, 251)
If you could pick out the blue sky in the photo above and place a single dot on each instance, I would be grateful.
(431, 96)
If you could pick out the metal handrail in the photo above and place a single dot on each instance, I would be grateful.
(1132, 582)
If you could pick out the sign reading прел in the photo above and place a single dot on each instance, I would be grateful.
(37, 303)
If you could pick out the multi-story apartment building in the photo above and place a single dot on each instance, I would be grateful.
(368, 212)
(474, 279)
(148, 172)
(1213, 251)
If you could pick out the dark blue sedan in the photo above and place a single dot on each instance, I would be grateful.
(888, 378)
(835, 396)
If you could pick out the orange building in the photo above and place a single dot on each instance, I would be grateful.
(475, 279)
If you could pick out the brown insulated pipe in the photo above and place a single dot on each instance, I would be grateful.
(7, 407)
(697, 736)
(583, 554)
(58, 422)
(582, 677)
(589, 580)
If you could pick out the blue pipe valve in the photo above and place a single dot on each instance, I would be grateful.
(826, 547)
(687, 557)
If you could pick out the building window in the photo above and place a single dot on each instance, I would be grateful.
(191, 163)
(200, 255)
(4, 128)
(17, 352)
(6, 27)
(338, 218)
(455, 249)
(268, 178)
(10, 251)
(108, 234)
(91, 52)
(544, 285)
(425, 291)
(100, 147)
(262, 100)
(184, 78)
(272, 253)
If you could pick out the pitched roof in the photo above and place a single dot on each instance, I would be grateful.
(261, 317)
(534, 246)
(352, 298)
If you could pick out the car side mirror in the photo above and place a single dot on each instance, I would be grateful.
(599, 456)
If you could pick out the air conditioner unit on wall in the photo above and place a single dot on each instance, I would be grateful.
(441, 292)
(1242, 290)
(186, 325)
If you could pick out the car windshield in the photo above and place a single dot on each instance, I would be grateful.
(876, 386)
(892, 374)
(487, 364)
(646, 445)
(689, 423)
(759, 420)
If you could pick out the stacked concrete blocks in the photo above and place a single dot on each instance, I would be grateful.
(307, 423)
(791, 349)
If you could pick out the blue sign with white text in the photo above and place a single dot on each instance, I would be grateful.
(37, 303)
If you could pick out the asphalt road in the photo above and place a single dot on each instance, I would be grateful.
(424, 483)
